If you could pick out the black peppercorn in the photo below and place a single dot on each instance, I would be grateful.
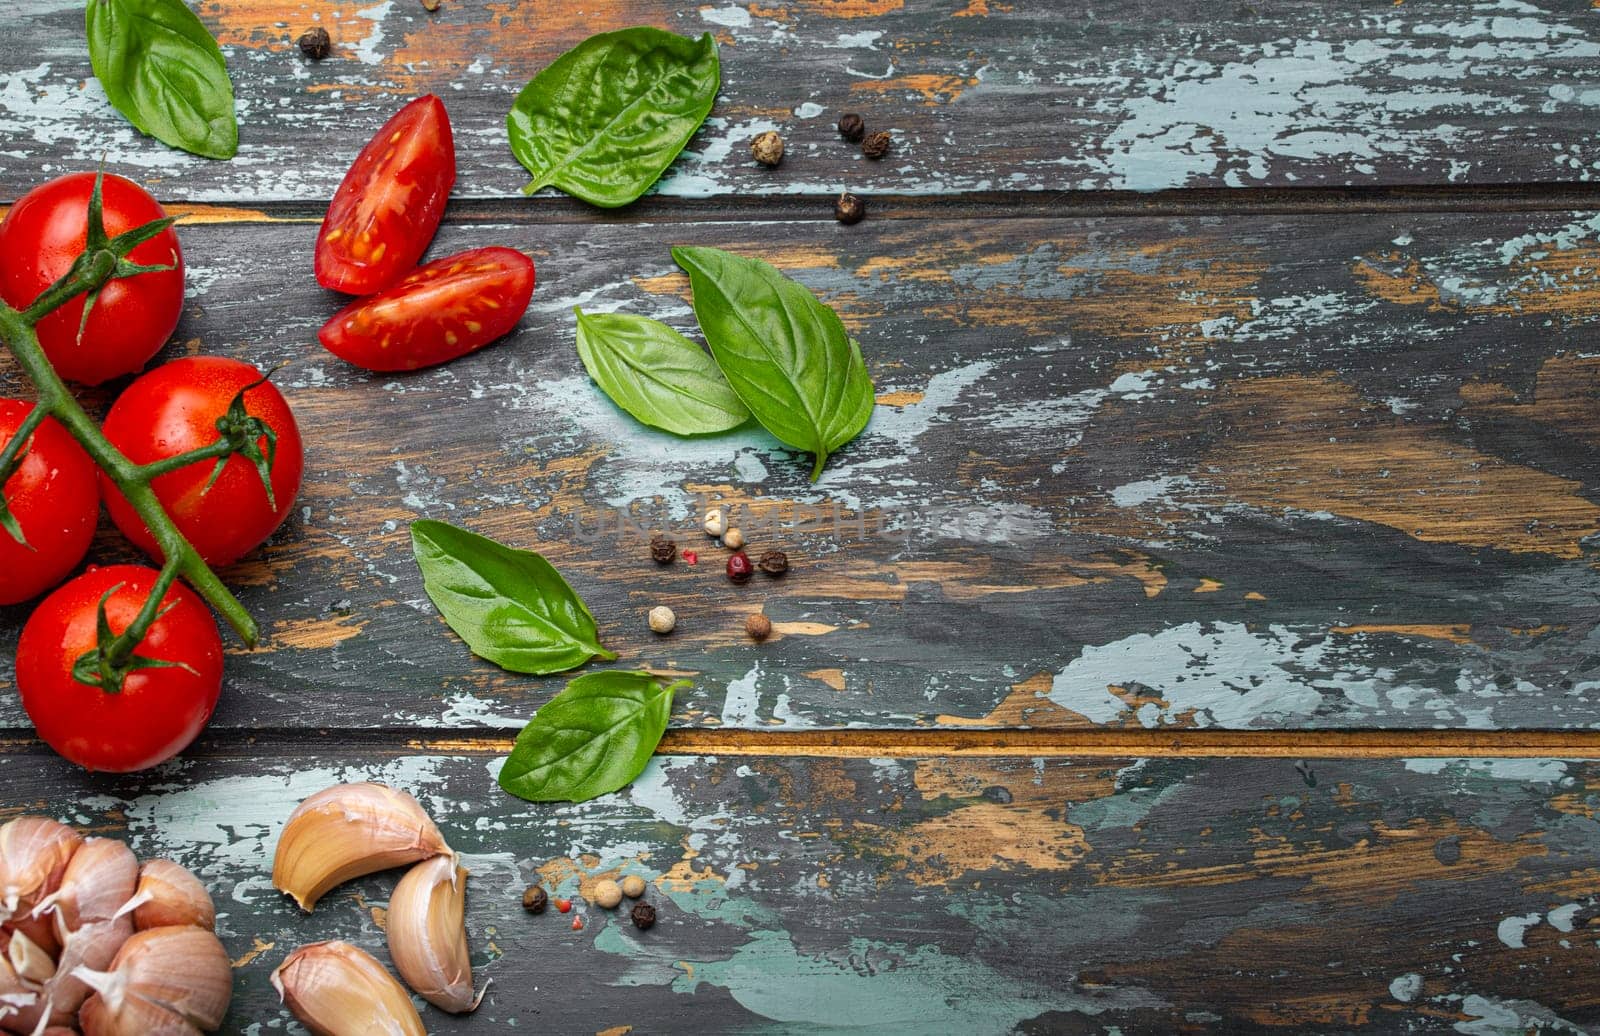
(767, 148)
(849, 209)
(535, 899)
(644, 916)
(774, 563)
(663, 550)
(739, 567)
(315, 43)
(852, 127)
(877, 145)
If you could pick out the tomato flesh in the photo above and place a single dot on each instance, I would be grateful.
(174, 409)
(159, 711)
(436, 313)
(390, 202)
(43, 235)
(55, 501)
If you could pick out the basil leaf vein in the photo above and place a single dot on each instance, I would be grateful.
(657, 375)
(511, 606)
(784, 353)
(594, 737)
(161, 68)
(606, 118)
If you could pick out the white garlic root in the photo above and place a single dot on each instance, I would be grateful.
(337, 989)
(178, 968)
(428, 934)
(99, 879)
(346, 831)
(34, 852)
(170, 894)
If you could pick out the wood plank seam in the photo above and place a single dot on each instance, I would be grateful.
(1535, 197)
(870, 744)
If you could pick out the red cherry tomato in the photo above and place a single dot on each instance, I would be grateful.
(390, 202)
(174, 409)
(132, 319)
(55, 501)
(158, 711)
(437, 312)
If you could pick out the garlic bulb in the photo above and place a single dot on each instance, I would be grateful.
(170, 894)
(346, 831)
(428, 933)
(33, 854)
(180, 968)
(99, 879)
(336, 989)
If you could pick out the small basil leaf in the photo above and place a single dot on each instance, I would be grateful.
(161, 68)
(607, 117)
(592, 738)
(511, 606)
(784, 353)
(656, 374)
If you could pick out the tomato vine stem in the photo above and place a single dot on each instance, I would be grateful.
(100, 262)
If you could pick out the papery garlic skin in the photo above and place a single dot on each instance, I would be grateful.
(92, 947)
(170, 894)
(137, 1018)
(346, 831)
(428, 933)
(34, 852)
(98, 881)
(337, 989)
(181, 968)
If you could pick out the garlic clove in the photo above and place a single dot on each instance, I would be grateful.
(28, 960)
(33, 854)
(170, 894)
(346, 831)
(42, 930)
(90, 948)
(428, 933)
(336, 989)
(181, 968)
(137, 1018)
(100, 878)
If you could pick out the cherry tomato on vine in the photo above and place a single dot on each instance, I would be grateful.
(158, 711)
(133, 317)
(437, 312)
(54, 499)
(390, 202)
(174, 409)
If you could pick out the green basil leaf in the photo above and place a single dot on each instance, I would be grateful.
(656, 374)
(608, 116)
(785, 354)
(592, 738)
(161, 68)
(510, 606)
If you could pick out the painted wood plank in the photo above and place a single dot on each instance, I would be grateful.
(1019, 95)
(981, 896)
(1203, 472)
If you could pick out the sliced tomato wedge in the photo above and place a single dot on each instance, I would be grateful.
(390, 203)
(445, 309)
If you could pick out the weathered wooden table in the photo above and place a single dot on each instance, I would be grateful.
(1212, 641)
